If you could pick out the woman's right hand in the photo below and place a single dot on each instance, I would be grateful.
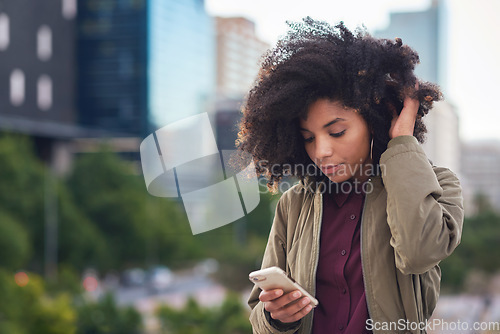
(286, 308)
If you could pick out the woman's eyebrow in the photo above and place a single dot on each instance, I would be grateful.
(326, 125)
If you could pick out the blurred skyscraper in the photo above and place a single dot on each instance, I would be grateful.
(426, 32)
(37, 75)
(112, 64)
(239, 50)
(480, 161)
(144, 63)
(238, 54)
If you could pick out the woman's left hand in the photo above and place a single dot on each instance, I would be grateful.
(404, 123)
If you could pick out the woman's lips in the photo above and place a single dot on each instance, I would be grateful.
(330, 169)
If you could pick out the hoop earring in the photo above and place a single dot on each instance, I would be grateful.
(371, 150)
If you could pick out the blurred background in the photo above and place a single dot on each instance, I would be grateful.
(85, 248)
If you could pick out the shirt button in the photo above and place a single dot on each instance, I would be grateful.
(344, 291)
(353, 217)
(343, 252)
(341, 327)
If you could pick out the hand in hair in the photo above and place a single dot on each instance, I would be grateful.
(404, 123)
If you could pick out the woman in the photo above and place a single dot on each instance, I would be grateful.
(366, 227)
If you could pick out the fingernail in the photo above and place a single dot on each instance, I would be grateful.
(305, 301)
(278, 293)
(296, 294)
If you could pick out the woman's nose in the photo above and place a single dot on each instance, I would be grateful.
(323, 149)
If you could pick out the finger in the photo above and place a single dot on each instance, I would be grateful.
(268, 295)
(299, 315)
(410, 107)
(293, 311)
(408, 101)
(282, 301)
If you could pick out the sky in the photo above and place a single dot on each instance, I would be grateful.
(473, 66)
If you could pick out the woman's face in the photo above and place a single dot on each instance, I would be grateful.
(338, 141)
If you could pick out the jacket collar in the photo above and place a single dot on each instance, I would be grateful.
(318, 186)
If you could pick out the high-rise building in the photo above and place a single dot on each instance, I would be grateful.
(227, 117)
(112, 64)
(144, 64)
(443, 141)
(239, 51)
(37, 68)
(480, 161)
(37, 76)
(182, 59)
(238, 54)
(426, 32)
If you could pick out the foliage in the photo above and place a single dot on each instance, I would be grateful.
(239, 247)
(105, 190)
(105, 317)
(230, 318)
(22, 184)
(478, 248)
(14, 243)
(80, 243)
(28, 309)
(138, 228)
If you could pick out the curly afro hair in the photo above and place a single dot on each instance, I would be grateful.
(313, 61)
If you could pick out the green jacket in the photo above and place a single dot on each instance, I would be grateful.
(412, 219)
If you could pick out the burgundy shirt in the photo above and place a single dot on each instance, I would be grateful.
(339, 279)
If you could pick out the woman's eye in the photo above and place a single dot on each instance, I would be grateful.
(308, 140)
(338, 134)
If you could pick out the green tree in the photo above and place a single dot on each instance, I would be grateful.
(80, 243)
(22, 205)
(239, 256)
(138, 228)
(478, 249)
(22, 190)
(14, 243)
(107, 192)
(230, 318)
(104, 317)
(26, 308)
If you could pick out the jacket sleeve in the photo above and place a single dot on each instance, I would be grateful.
(274, 255)
(424, 206)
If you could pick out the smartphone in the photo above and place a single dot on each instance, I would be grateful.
(275, 278)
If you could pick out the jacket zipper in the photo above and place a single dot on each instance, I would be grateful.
(317, 235)
(361, 251)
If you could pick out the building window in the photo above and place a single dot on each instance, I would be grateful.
(69, 9)
(44, 43)
(17, 87)
(125, 64)
(44, 92)
(4, 31)
(126, 109)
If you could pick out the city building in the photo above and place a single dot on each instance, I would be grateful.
(480, 161)
(227, 117)
(144, 64)
(38, 78)
(426, 32)
(442, 144)
(112, 65)
(238, 55)
(239, 51)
